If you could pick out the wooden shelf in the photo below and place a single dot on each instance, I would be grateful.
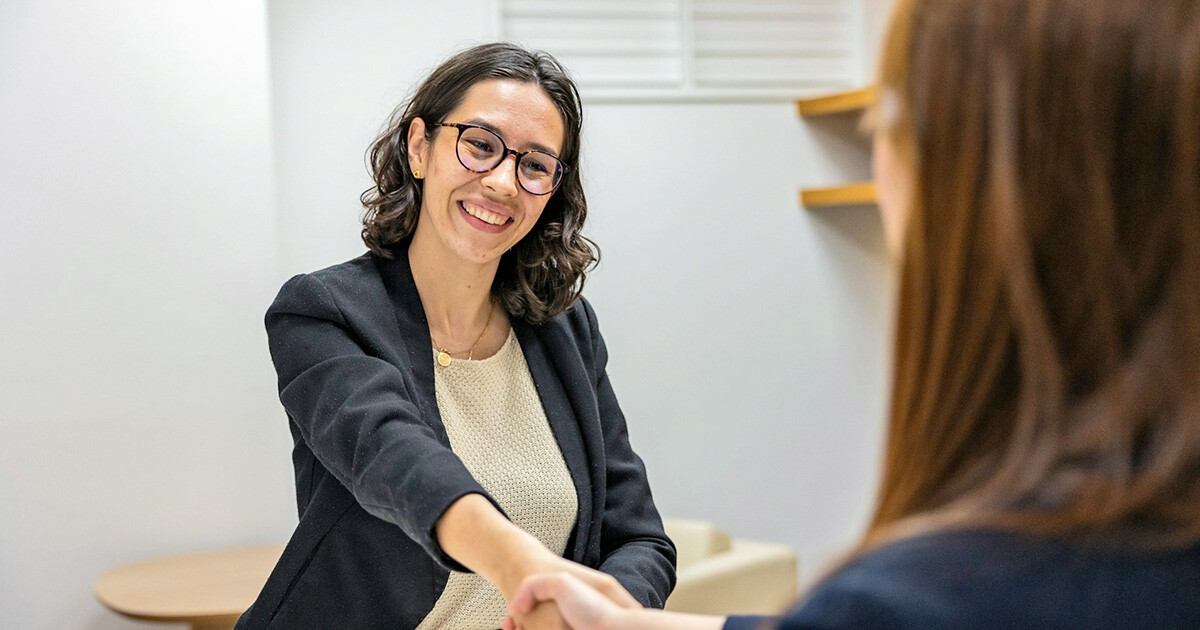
(855, 194)
(859, 194)
(851, 101)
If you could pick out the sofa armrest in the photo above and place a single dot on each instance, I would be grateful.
(751, 578)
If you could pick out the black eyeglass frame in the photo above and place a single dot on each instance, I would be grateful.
(461, 127)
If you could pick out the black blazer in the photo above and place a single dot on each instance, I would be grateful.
(374, 469)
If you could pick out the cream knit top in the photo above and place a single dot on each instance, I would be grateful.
(497, 427)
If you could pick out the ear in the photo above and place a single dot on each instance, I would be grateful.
(418, 146)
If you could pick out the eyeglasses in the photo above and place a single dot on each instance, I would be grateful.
(481, 150)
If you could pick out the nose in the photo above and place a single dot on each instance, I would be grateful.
(503, 178)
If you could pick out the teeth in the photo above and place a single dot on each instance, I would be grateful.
(485, 215)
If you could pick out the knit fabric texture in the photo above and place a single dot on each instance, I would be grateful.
(497, 426)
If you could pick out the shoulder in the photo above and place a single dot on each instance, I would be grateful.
(581, 318)
(338, 285)
(985, 580)
(919, 582)
(578, 322)
(576, 331)
(349, 277)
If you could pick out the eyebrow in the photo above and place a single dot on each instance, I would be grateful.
(479, 122)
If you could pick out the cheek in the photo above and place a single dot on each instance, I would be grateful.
(880, 170)
(533, 214)
(892, 189)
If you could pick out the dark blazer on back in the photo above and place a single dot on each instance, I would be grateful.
(374, 469)
(988, 580)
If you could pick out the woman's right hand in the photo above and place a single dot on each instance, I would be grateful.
(585, 608)
(582, 606)
(546, 616)
(546, 562)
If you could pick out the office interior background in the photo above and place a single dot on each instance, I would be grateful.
(165, 166)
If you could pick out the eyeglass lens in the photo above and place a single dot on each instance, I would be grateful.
(481, 150)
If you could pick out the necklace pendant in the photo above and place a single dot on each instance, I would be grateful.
(444, 358)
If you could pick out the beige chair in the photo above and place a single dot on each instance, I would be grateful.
(718, 575)
(209, 590)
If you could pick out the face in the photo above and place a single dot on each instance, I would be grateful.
(893, 188)
(476, 217)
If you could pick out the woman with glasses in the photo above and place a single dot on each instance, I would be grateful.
(454, 426)
(1038, 167)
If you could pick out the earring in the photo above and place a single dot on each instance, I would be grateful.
(417, 174)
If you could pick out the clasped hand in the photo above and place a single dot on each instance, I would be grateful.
(570, 596)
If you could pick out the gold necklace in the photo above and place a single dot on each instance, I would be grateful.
(443, 355)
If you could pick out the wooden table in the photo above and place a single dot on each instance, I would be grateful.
(208, 590)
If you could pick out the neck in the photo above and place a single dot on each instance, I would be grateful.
(456, 294)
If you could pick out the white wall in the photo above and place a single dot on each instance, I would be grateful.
(876, 14)
(137, 255)
(747, 334)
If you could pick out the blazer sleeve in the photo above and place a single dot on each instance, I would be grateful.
(633, 545)
(356, 414)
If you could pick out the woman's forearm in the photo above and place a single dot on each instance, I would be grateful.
(475, 533)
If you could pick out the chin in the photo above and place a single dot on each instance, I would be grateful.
(480, 256)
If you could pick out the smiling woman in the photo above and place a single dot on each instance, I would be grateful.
(454, 427)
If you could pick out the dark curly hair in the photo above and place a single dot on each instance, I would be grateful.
(543, 274)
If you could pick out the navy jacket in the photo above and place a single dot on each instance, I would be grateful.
(999, 581)
(374, 469)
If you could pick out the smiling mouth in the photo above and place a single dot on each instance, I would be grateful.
(487, 216)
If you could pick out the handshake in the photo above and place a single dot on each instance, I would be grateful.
(569, 596)
(544, 591)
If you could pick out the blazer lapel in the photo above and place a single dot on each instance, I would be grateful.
(412, 335)
(563, 422)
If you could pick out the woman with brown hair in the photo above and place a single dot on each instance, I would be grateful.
(454, 426)
(1038, 163)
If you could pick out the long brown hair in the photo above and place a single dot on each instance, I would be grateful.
(1046, 373)
(543, 274)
